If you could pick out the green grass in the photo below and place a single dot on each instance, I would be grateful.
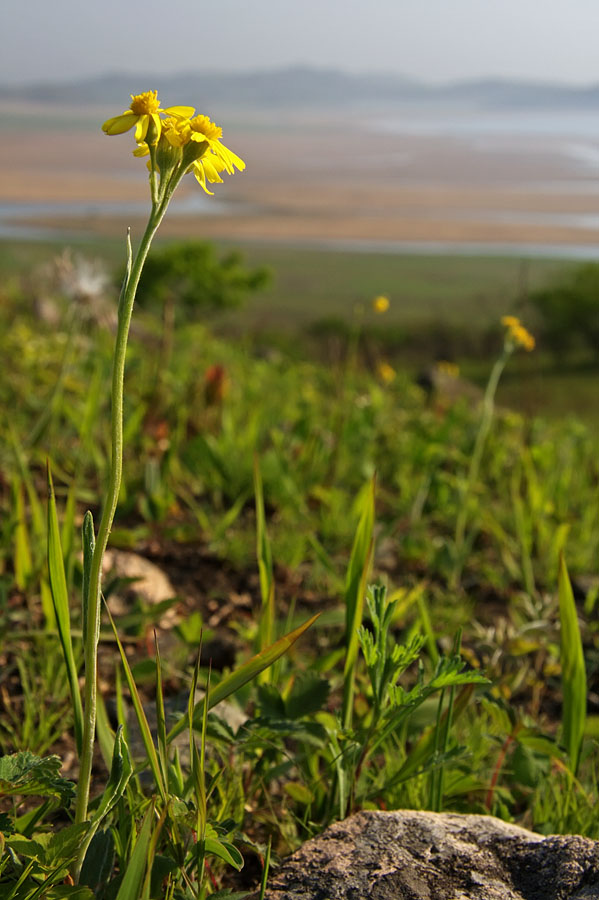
(428, 690)
(310, 284)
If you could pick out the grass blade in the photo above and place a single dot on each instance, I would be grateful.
(144, 727)
(22, 547)
(263, 552)
(88, 539)
(58, 587)
(139, 863)
(242, 675)
(574, 681)
(355, 591)
(160, 716)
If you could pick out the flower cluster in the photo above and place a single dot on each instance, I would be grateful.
(517, 335)
(182, 142)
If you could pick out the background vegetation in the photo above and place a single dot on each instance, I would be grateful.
(276, 463)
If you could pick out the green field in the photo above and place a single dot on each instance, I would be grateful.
(274, 471)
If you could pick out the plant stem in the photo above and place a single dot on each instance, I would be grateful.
(90, 650)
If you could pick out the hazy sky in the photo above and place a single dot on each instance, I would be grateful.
(428, 39)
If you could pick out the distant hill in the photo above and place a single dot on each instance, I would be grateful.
(308, 87)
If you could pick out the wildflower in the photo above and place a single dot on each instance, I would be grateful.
(517, 335)
(380, 304)
(521, 336)
(385, 372)
(205, 131)
(143, 111)
(207, 168)
(452, 370)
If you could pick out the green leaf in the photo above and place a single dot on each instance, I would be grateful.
(224, 850)
(22, 550)
(60, 596)
(242, 675)
(144, 727)
(355, 591)
(264, 555)
(308, 694)
(134, 874)
(98, 862)
(574, 681)
(28, 774)
(63, 846)
(299, 792)
(88, 540)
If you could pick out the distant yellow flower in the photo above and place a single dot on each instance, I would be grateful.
(380, 304)
(452, 370)
(385, 372)
(517, 335)
(144, 109)
(523, 337)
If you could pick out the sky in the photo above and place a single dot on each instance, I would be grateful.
(431, 40)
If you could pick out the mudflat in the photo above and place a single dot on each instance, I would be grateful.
(321, 180)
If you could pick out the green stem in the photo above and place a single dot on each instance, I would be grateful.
(91, 637)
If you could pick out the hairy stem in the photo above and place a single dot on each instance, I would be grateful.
(91, 636)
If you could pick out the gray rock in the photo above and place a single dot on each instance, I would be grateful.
(436, 856)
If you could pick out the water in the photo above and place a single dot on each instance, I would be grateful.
(14, 216)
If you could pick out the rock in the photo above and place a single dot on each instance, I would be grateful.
(148, 581)
(436, 856)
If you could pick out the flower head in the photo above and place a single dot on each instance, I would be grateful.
(385, 372)
(380, 304)
(451, 369)
(144, 114)
(517, 335)
(205, 131)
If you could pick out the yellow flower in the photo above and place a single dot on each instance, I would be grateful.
(517, 334)
(205, 131)
(380, 304)
(521, 336)
(385, 372)
(208, 168)
(144, 109)
(452, 370)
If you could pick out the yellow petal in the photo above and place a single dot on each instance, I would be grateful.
(119, 124)
(158, 123)
(141, 129)
(198, 171)
(142, 150)
(228, 157)
(184, 112)
(211, 170)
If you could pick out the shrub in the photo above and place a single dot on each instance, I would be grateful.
(191, 273)
(569, 310)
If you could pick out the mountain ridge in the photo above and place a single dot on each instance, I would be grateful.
(307, 86)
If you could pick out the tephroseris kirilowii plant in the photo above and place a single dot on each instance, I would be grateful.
(176, 142)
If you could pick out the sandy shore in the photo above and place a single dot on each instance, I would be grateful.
(315, 184)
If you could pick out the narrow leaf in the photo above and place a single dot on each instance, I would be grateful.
(574, 682)
(144, 727)
(355, 591)
(264, 555)
(131, 884)
(242, 675)
(60, 597)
